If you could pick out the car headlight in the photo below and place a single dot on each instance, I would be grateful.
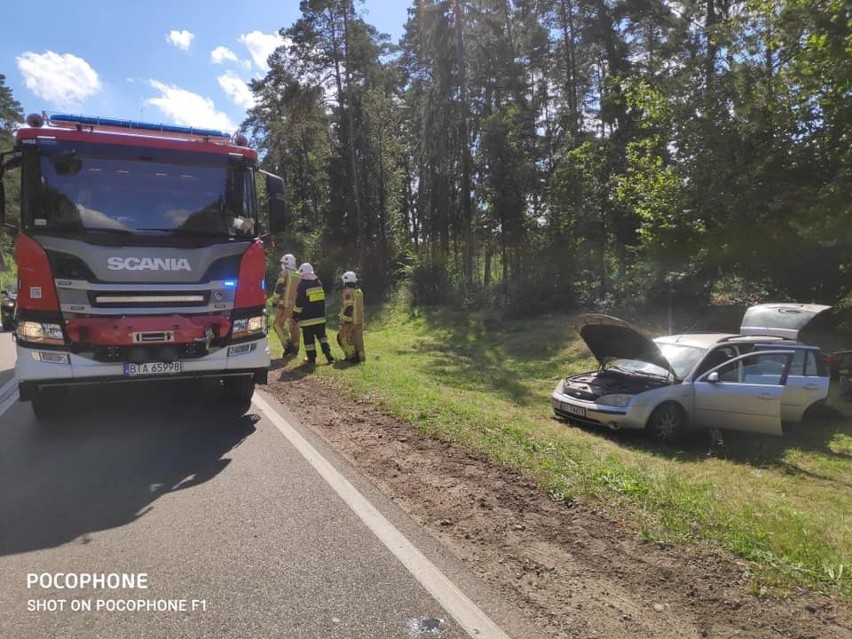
(249, 326)
(614, 400)
(41, 333)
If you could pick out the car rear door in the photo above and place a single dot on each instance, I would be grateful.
(807, 383)
(743, 393)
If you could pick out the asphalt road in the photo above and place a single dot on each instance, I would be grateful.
(241, 521)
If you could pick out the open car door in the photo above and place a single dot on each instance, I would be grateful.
(744, 393)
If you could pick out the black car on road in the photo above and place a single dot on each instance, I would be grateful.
(8, 301)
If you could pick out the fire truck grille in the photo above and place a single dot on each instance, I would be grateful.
(142, 354)
(148, 299)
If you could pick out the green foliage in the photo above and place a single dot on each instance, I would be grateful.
(588, 152)
(10, 115)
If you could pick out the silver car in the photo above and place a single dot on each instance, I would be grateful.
(751, 381)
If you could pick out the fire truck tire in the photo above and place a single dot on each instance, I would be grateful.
(239, 389)
(47, 405)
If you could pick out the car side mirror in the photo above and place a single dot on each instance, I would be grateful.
(713, 377)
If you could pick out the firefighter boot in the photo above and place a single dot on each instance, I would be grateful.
(326, 350)
(311, 358)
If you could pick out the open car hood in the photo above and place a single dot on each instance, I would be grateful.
(609, 337)
(779, 320)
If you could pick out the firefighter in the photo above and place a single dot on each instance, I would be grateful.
(309, 312)
(283, 300)
(351, 333)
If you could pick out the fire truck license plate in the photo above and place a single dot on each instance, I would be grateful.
(152, 368)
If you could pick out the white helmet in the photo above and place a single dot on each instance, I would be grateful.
(306, 269)
(288, 261)
(349, 277)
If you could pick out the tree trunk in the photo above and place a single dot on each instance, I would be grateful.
(350, 121)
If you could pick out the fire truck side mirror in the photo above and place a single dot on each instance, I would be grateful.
(11, 159)
(277, 204)
(2, 190)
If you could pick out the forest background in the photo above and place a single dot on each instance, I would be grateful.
(533, 155)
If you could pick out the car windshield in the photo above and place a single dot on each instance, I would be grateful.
(682, 358)
(637, 367)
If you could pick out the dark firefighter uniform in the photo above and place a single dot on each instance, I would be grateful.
(351, 333)
(309, 312)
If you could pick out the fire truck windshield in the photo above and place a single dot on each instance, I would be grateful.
(199, 195)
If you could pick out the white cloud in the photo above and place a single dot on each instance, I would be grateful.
(181, 39)
(186, 108)
(220, 54)
(63, 80)
(236, 89)
(261, 46)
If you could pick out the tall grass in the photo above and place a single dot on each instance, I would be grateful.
(784, 504)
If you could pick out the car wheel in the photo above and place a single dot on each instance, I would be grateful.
(239, 390)
(667, 423)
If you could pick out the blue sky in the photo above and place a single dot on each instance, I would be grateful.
(182, 62)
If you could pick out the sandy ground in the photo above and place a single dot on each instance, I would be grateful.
(573, 571)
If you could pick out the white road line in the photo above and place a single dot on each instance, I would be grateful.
(468, 615)
(8, 395)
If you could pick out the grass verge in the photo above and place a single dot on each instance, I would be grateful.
(782, 504)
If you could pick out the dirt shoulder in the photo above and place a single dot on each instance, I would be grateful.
(573, 571)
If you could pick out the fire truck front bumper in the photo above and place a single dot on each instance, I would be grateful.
(37, 369)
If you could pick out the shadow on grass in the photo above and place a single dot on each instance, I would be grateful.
(812, 439)
(282, 371)
(478, 351)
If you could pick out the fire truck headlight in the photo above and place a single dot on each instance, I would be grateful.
(249, 326)
(41, 333)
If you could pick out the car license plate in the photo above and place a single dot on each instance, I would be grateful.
(152, 368)
(579, 411)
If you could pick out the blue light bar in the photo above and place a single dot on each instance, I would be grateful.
(132, 124)
(229, 283)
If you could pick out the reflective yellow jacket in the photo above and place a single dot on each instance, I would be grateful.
(352, 306)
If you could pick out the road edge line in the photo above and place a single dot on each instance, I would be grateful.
(466, 613)
(8, 395)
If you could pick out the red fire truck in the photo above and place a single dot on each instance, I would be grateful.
(139, 256)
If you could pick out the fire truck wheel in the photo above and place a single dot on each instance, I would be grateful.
(47, 405)
(239, 389)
